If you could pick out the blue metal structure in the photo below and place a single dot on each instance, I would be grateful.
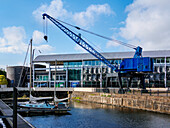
(77, 39)
(128, 67)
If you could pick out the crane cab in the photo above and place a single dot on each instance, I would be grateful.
(142, 64)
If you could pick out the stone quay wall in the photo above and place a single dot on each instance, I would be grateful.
(159, 104)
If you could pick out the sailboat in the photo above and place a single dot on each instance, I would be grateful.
(37, 105)
(33, 101)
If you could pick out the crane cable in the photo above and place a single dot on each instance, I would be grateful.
(104, 37)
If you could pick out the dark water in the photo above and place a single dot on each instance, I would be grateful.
(87, 115)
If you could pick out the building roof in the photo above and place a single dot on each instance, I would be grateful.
(107, 55)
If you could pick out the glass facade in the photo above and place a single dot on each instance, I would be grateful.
(161, 60)
(41, 78)
(92, 63)
(72, 64)
(59, 77)
(92, 73)
(74, 74)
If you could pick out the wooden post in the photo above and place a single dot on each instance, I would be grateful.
(14, 107)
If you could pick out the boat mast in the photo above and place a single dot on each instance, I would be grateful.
(55, 84)
(30, 66)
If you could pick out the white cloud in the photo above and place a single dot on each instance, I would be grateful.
(38, 37)
(84, 18)
(88, 17)
(39, 44)
(55, 9)
(45, 48)
(148, 23)
(13, 40)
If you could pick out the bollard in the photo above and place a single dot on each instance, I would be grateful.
(141, 92)
(158, 92)
(15, 107)
(150, 92)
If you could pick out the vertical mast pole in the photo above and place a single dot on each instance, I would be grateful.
(30, 67)
(55, 83)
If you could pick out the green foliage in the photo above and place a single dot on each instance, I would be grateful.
(3, 80)
(76, 98)
(78, 101)
(103, 95)
(109, 96)
(92, 94)
(2, 73)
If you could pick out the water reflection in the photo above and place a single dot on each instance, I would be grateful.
(90, 115)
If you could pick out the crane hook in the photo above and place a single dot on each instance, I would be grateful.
(46, 38)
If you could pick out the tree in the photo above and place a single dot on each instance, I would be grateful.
(3, 80)
(2, 72)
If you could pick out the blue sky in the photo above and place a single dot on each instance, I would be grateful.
(138, 22)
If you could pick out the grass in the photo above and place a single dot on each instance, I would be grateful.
(76, 98)
(92, 94)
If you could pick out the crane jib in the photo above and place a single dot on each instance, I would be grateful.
(77, 39)
(136, 64)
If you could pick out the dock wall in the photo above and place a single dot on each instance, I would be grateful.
(159, 104)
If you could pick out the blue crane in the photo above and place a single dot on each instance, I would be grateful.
(130, 67)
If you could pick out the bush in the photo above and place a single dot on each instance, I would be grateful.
(103, 95)
(109, 96)
(3, 80)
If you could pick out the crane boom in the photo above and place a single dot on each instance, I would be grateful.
(77, 39)
(135, 64)
(129, 67)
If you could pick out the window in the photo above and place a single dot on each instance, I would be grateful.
(45, 78)
(162, 60)
(158, 60)
(93, 63)
(90, 63)
(97, 63)
(28, 76)
(57, 78)
(74, 74)
(40, 77)
(154, 60)
(74, 64)
(62, 77)
(167, 60)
